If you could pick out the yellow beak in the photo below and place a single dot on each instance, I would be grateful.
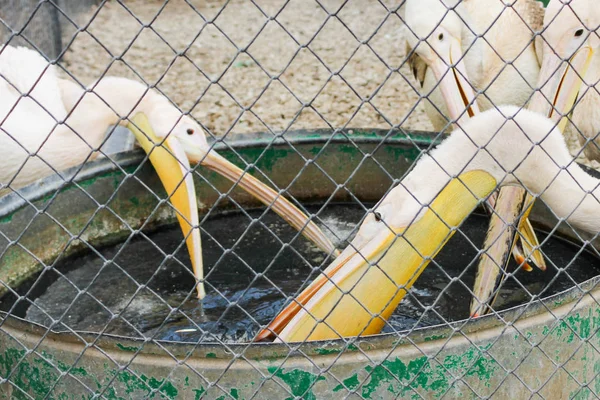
(173, 169)
(170, 161)
(363, 286)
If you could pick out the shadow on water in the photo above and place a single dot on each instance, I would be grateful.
(154, 298)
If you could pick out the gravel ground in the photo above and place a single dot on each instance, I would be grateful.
(365, 93)
(243, 79)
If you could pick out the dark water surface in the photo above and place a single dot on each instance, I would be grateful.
(146, 296)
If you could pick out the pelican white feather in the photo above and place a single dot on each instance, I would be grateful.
(511, 146)
(50, 124)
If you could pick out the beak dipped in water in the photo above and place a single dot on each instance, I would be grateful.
(358, 292)
(170, 158)
(501, 239)
(173, 169)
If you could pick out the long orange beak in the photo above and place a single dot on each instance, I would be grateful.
(289, 212)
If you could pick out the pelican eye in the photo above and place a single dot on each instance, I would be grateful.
(377, 215)
(578, 32)
(441, 36)
(190, 131)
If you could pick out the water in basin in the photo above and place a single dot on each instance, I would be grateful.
(132, 290)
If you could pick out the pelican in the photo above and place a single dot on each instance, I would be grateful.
(448, 61)
(570, 43)
(567, 50)
(361, 288)
(48, 124)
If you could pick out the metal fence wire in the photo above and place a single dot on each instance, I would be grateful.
(386, 122)
(41, 24)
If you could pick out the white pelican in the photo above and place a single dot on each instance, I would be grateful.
(567, 50)
(448, 60)
(570, 44)
(504, 146)
(49, 124)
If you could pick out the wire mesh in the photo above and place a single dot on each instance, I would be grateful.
(98, 293)
(40, 24)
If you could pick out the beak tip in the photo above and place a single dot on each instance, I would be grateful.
(200, 292)
(263, 336)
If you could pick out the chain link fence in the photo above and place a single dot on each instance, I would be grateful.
(335, 105)
(43, 25)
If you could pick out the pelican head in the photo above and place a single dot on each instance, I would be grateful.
(570, 39)
(435, 31)
(173, 140)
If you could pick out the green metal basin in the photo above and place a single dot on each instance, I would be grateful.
(547, 347)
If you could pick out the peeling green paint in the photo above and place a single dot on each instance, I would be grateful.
(434, 337)
(349, 383)
(151, 385)
(573, 325)
(392, 371)
(37, 375)
(28, 378)
(211, 355)
(405, 378)
(349, 149)
(300, 382)
(323, 351)
(76, 371)
(581, 394)
(546, 330)
(198, 393)
(132, 349)
(397, 152)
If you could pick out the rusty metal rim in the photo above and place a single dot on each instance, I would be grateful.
(521, 315)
